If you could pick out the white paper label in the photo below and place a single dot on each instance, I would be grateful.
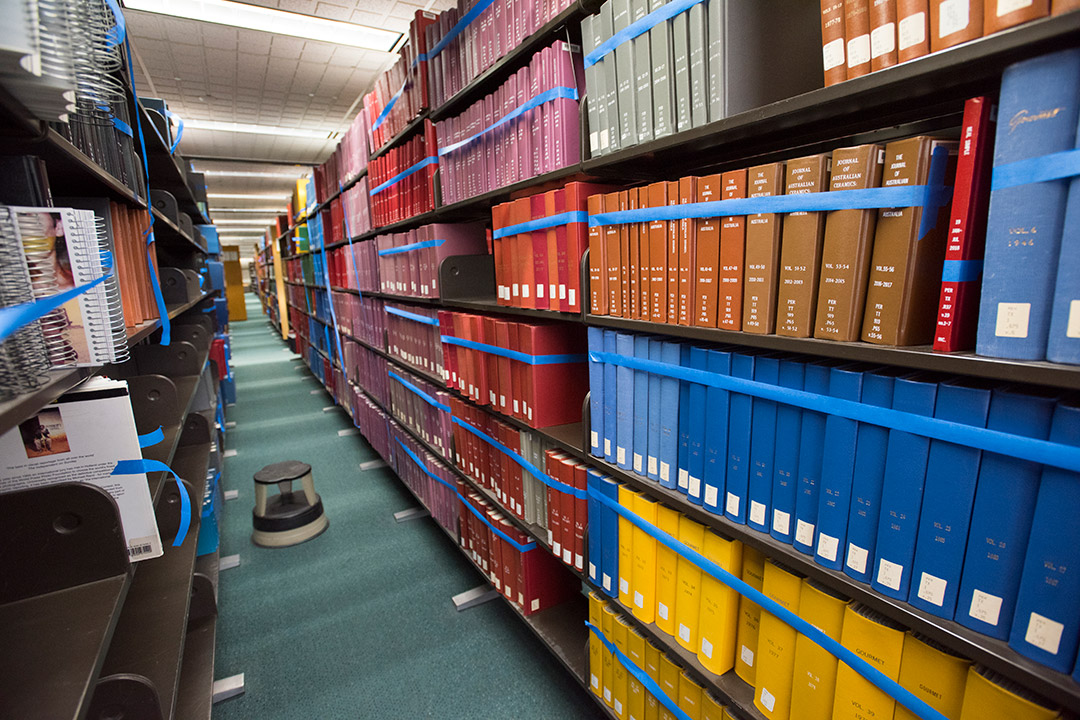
(1012, 320)
(539, 291)
(683, 478)
(858, 50)
(595, 681)
(607, 694)
(524, 291)
(757, 513)
(665, 471)
(662, 610)
(498, 584)
(604, 140)
(833, 53)
(952, 17)
(711, 495)
(932, 589)
(639, 600)
(579, 559)
(684, 632)
(607, 445)
(618, 706)
(767, 699)
(620, 455)
(491, 396)
(502, 402)
(1044, 633)
(595, 437)
(883, 40)
(638, 462)
(804, 533)
(706, 647)
(747, 656)
(624, 585)
(552, 289)
(694, 486)
(827, 547)
(1072, 328)
(856, 558)
(1004, 7)
(515, 289)
(732, 506)
(652, 465)
(607, 582)
(781, 521)
(985, 607)
(594, 141)
(562, 293)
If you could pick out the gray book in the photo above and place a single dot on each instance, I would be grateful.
(662, 86)
(716, 59)
(699, 69)
(611, 89)
(642, 74)
(527, 480)
(540, 488)
(588, 42)
(680, 51)
(624, 74)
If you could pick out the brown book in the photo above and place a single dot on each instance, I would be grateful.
(905, 269)
(613, 244)
(845, 255)
(800, 250)
(954, 21)
(857, 35)
(882, 34)
(673, 257)
(598, 294)
(1001, 14)
(1060, 7)
(624, 257)
(658, 238)
(644, 271)
(732, 250)
(633, 266)
(762, 252)
(832, 41)
(707, 255)
(687, 250)
(912, 29)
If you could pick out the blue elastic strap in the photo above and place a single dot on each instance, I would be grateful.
(514, 354)
(118, 34)
(352, 245)
(411, 316)
(637, 28)
(525, 464)
(463, 23)
(640, 675)
(333, 313)
(518, 546)
(961, 270)
(151, 438)
(135, 467)
(1055, 166)
(431, 160)
(554, 93)
(1025, 448)
(410, 247)
(849, 658)
(123, 127)
(389, 106)
(179, 129)
(14, 317)
(219, 411)
(566, 218)
(419, 393)
(936, 179)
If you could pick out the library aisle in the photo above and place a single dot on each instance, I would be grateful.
(357, 622)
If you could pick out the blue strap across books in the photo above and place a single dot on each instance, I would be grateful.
(513, 354)
(640, 675)
(118, 34)
(389, 106)
(333, 313)
(1025, 448)
(179, 129)
(412, 316)
(1055, 166)
(410, 247)
(463, 23)
(555, 93)
(961, 270)
(637, 28)
(14, 317)
(430, 160)
(849, 658)
(123, 127)
(566, 218)
(419, 463)
(134, 467)
(352, 245)
(419, 393)
(525, 464)
(151, 438)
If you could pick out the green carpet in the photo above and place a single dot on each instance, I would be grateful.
(358, 622)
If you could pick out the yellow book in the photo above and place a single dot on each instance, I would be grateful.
(688, 602)
(935, 675)
(620, 687)
(728, 715)
(711, 708)
(719, 606)
(689, 696)
(813, 680)
(669, 680)
(607, 677)
(989, 696)
(652, 669)
(776, 644)
(878, 640)
(667, 563)
(596, 647)
(753, 572)
(643, 581)
(626, 546)
(635, 700)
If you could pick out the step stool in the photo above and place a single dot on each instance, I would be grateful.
(287, 518)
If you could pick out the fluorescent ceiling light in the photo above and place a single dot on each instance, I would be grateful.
(252, 17)
(250, 174)
(260, 129)
(242, 196)
(243, 221)
(264, 211)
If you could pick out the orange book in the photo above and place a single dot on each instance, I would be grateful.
(633, 264)
(912, 29)
(706, 256)
(556, 262)
(732, 252)
(1060, 7)
(598, 292)
(658, 258)
(500, 218)
(1001, 14)
(624, 257)
(954, 21)
(644, 271)
(882, 34)
(857, 35)
(673, 257)
(613, 256)
(687, 251)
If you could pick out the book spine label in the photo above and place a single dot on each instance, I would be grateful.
(738, 460)
(658, 256)
(706, 256)
(652, 461)
(643, 87)
(687, 250)
(624, 422)
(837, 469)
(732, 252)
(1001, 14)
(786, 462)
(716, 434)
(640, 446)
(954, 21)
(857, 35)
(663, 88)
(762, 448)
(800, 250)
(762, 252)
(833, 52)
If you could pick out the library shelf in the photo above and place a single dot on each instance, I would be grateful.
(307, 215)
(195, 694)
(411, 127)
(166, 173)
(167, 231)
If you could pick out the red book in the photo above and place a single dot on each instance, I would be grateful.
(554, 514)
(506, 389)
(479, 360)
(556, 258)
(632, 264)
(545, 407)
(490, 363)
(673, 234)
(958, 307)
(539, 242)
(581, 516)
(516, 373)
(598, 277)
(613, 258)
(521, 212)
(687, 252)
(567, 510)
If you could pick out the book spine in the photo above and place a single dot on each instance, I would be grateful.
(1001, 14)
(1063, 343)
(652, 460)
(762, 253)
(639, 450)
(954, 21)
(680, 46)
(811, 451)
(624, 422)
(598, 293)
(673, 236)
(706, 257)
(682, 481)
(696, 464)
(663, 88)
(762, 447)
(624, 73)
(658, 259)
(786, 462)
(882, 34)
(669, 419)
(857, 35)
(832, 41)
(687, 250)
(699, 73)
(715, 61)
(642, 68)
(717, 402)
(800, 250)
(732, 252)
(738, 461)
(610, 398)
(837, 470)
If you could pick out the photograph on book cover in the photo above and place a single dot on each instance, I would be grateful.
(44, 434)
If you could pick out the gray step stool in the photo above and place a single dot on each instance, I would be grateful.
(287, 518)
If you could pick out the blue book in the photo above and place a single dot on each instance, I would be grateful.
(949, 490)
(669, 418)
(870, 451)
(696, 421)
(683, 478)
(811, 450)
(901, 491)
(837, 468)
(652, 462)
(641, 407)
(596, 525)
(610, 397)
(1046, 627)
(762, 446)
(609, 539)
(738, 467)
(1063, 345)
(1001, 516)
(624, 402)
(1039, 104)
(716, 433)
(786, 459)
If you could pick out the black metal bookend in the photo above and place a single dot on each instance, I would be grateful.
(177, 359)
(165, 203)
(125, 696)
(179, 285)
(467, 276)
(154, 402)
